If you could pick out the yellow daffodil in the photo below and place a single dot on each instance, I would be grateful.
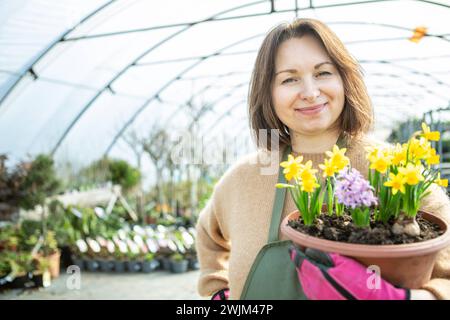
(441, 182)
(372, 153)
(309, 185)
(398, 155)
(292, 167)
(432, 158)
(418, 149)
(380, 163)
(412, 173)
(306, 172)
(396, 182)
(328, 169)
(338, 158)
(428, 134)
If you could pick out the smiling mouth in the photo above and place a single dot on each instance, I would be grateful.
(312, 110)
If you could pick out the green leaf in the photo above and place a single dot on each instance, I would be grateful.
(284, 185)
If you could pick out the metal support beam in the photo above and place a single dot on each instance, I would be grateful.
(30, 65)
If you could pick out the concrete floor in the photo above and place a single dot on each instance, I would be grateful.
(159, 285)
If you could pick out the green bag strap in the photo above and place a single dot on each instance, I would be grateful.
(341, 141)
(278, 205)
(280, 194)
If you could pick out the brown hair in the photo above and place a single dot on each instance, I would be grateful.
(357, 115)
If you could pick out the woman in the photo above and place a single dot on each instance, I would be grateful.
(306, 85)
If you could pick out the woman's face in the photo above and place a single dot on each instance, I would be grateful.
(307, 92)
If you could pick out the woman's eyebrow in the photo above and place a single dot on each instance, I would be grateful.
(317, 66)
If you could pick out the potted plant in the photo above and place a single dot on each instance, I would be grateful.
(375, 221)
(60, 221)
(51, 252)
(48, 252)
(151, 216)
(105, 256)
(178, 264)
(149, 263)
(78, 260)
(20, 270)
(120, 256)
(188, 242)
(191, 256)
(132, 263)
(79, 253)
(91, 261)
(167, 248)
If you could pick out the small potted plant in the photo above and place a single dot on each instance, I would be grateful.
(51, 253)
(178, 264)
(23, 271)
(191, 256)
(91, 261)
(120, 256)
(375, 221)
(149, 263)
(133, 264)
(105, 256)
(79, 253)
(188, 242)
(43, 274)
(167, 247)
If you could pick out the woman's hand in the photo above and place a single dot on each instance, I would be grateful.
(420, 294)
(335, 277)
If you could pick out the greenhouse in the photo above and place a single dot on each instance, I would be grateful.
(124, 122)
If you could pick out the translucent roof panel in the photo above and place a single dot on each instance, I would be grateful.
(75, 77)
(29, 26)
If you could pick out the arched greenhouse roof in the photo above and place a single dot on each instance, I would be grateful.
(76, 76)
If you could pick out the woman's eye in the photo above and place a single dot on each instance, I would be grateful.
(324, 73)
(288, 80)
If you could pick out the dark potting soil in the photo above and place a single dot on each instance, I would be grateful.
(341, 229)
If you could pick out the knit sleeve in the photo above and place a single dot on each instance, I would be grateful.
(438, 203)
(212, 250)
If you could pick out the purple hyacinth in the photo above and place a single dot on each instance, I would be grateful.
(353, 191)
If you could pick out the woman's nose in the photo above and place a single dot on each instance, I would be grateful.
(309, 91)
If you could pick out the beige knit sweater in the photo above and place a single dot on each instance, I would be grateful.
(234, 225)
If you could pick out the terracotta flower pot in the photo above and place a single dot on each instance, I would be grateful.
(53, 261)
(406, 265)
(54, 267)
